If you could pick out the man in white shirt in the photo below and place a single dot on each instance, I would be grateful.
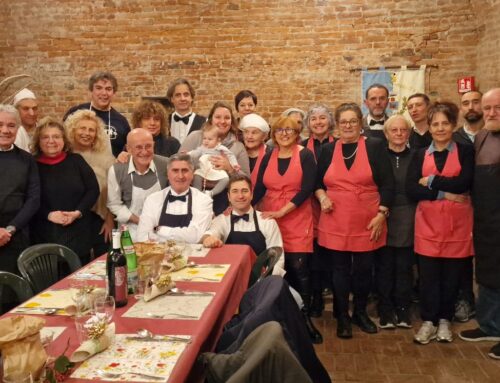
(244, 226)
(130, 183)
(27, 105)
(179, 212)
(183, 121)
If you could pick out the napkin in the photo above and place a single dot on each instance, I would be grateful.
(158, 286)
(87, 302)
(21, 347)
(94, 346)
(174, 264)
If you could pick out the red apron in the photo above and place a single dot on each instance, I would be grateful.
(355, 200)
(316, 207)
(296, 227)
(255, 171)
(443, 228)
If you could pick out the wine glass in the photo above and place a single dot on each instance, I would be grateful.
(105, 305)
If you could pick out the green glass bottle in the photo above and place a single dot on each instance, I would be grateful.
(129, 251)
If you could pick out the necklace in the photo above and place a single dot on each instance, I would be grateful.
(352, 155)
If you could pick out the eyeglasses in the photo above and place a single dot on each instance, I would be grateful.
(285, 130)
(143, 147)
(352, 122)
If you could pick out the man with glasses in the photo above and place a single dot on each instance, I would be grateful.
(130, 183)
(103, 87)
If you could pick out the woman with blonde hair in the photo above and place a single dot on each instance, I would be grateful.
(87, 137)
(68, 188)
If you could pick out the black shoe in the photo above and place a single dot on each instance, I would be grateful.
(387, 320)
(344, 328)
(494, 352)
(317, 305)
(362, 320)
(314, 334)
(403, 318)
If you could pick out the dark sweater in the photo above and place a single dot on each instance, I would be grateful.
(378, 160)
(166, 146)
(308, 176)
(457, 185)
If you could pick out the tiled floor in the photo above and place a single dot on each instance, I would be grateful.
(391, 356)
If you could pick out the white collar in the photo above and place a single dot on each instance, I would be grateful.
(132, 169)
(183, 115)
(7, 150)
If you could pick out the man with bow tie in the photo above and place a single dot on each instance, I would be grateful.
(376, 100)
(244, 225)
(183, 121)
(178, 212)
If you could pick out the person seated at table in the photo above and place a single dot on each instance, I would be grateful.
(179, 212)
(130, 183)
(244, 225)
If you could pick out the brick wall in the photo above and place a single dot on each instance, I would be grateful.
(290, 53)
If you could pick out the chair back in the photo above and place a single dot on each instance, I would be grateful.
(45, 264)
(264, 264)
(20, 286)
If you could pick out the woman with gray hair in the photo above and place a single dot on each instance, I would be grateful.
(319, 123)
(395, 260)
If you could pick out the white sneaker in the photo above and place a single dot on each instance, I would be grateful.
(444, 333)
(426, 333)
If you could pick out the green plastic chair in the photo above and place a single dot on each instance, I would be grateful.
(264, 264)
(45, 264)
(18, 285)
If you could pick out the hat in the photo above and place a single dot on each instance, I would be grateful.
(207, 171)
(22, 95)
(253, 120)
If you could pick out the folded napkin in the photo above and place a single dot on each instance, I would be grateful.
(158, 286)
(87, 302)
(20, 345)
(94, 346)
(174, 264)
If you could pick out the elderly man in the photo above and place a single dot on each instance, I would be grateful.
(131, 182)
(27, 106)
(486, 201)
(183, 121)
(103, 87)
(470, 108)
(418, 105)
(179, 212)
(376, 100)
(19, 193)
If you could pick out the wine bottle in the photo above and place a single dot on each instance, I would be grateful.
(129, 251)
(116, 270)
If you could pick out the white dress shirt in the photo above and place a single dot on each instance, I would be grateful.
(178, 129)
(221, 226)
(201, 210)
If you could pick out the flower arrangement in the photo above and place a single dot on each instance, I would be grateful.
(58, 369)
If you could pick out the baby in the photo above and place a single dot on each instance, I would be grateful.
(205, 175)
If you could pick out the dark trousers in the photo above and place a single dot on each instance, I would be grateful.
(394, 277)
(319, 268)
(297, 275)
(465, 289)
(351, 271)
(439, 280)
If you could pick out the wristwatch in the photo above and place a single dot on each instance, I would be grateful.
(11, 229)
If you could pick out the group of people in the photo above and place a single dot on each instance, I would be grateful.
(357, 198)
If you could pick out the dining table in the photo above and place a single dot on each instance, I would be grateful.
(203, 332)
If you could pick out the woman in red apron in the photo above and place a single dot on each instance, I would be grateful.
(255, 131)
(440, 178)
(355, 189)
(284, 185)
(319, 122)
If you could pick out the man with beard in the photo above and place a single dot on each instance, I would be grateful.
(486, 202)
(376, 100)
(470, 107)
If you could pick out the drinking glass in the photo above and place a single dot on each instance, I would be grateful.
(105, 305)
(81, 331)
(18, 377)
(145, 272)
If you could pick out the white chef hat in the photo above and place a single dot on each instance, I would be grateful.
(22, 95)
(253, 120)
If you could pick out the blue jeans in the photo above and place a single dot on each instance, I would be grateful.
(488, 310)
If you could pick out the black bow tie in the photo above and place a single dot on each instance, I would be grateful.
(374, 122)
(173, 198)
(184, 119)
(236, 218)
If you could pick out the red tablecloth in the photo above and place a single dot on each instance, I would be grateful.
(204, 332)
